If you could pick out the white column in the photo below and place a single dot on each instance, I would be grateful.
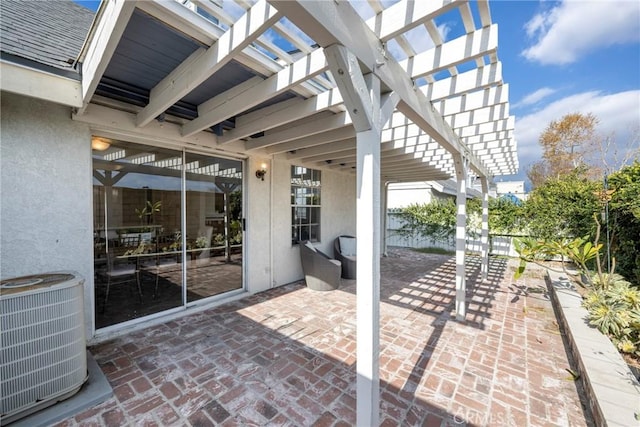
(368, 274)
(484, 239)
(461, 234)
(362, 98)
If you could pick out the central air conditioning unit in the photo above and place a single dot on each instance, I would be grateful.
(42, 342)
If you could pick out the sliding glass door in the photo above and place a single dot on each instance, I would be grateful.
(167, 229)
(213, 226)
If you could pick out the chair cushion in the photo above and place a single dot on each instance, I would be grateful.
(347, 246)
(335, 261)
(310, 246)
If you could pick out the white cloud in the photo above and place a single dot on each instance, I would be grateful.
(534, 97)
(574, 28)
(615, 112)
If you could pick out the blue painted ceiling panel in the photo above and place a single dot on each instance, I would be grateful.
(147, 52)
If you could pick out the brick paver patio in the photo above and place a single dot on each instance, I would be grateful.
(287, 357)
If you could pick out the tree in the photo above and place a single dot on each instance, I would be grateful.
(613, 155)
(566, 143)
(538, 173)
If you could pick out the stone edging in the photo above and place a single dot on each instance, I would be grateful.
(612, 390)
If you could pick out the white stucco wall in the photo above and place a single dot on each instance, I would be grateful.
(401, 195)
(45, 181)
(46, 207)
(257, 235)
(338, 216)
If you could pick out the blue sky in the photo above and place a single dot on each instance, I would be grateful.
(559, 57)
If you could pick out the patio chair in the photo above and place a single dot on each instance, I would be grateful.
(344, 250)
(321, 273)
(159, 263)
(119, 271)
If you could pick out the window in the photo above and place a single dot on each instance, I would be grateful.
(305, 204)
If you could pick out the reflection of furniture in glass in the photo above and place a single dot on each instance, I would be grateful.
(158, 263)
(344, 250)
(320, 272)
(120, 270)
(204, 242)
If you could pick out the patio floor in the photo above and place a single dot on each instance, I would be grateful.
(287, 357)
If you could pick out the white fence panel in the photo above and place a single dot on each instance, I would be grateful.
(499, 244)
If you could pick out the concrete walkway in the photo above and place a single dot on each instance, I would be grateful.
(287, 357)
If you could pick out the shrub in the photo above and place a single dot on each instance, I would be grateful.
(624, 220)
(563, 207)
(615, 311)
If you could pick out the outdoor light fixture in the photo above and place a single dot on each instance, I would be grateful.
(260, 173)
(100, 144)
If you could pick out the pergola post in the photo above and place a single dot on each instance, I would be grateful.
(461, 235)
(368, 113)
(484, 238)
(368, 273)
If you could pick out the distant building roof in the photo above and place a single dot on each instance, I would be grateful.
(46, 35)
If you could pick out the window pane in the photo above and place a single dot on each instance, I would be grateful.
(315, 215)
(313, 232)
(305, 203)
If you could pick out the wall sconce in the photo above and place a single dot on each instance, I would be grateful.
(100, 144)
(260, 173)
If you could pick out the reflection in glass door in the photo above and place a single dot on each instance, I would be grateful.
(213, 226)
(142, 246)
(137, 238)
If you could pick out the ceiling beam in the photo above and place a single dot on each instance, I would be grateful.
(270, 117)
(290, 76)
(101, 44)
(323, 149)
(202, 64)
(313, 140)
(321, 125)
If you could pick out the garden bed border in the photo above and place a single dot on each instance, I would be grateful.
(612, 390)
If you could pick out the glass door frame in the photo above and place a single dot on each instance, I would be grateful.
(185, 305)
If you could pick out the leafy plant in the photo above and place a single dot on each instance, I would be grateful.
(202, 242)
(579, 250)
(436, 220)
(218, 239)
(148, 210)
(616, 313)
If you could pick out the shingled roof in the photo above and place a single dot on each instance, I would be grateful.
(47, 35)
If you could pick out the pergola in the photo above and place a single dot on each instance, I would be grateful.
(314, 81)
